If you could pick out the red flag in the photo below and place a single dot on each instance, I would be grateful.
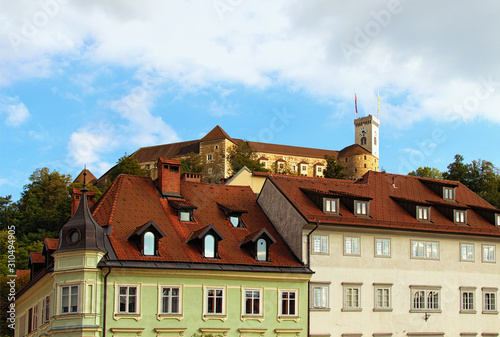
(356, 102)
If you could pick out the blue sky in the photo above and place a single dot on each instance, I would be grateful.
(84, 82)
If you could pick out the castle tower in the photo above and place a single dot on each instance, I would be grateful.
(366, 133)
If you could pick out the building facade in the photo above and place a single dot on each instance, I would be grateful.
(174, 257)
(393, 255)
(214, 148)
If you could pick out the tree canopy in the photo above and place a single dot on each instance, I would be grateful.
(244, 155)
(334, 169)
(427, 172)
(125, 165)
(193, 163)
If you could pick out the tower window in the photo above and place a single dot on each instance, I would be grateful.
(363, 140)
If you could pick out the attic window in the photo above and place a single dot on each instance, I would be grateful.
(258, 244)
(149, 243)
(207, 241)
(361, 208)
(233, 214)
(449, 193)
(497, 219)
(235, 220)
(209, 247)
(261, 250)
(423, 213)
(460, 217)
(147, 237)
(331, 206)
(186, 215)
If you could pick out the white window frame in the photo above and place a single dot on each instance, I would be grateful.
(466, 252)
(188, 212)
(488, 253)
(449, 193)
(331, 206)
(349, 245)
(352, 297)
(169, 297)
(424, 213)
(460, 216)
(244, 292)
(303, 168)
(137, 314)
(467, 300)
(382, 247)
(320, 245)
(427, 292)
(33, 319)
(281, 300)
(490, 300)
(428, 250)
(384, 289)
(319, 295)
(497, 220)
(46, 309)
(78, 300)
(362, 208)
(128, 296)
(217, 315)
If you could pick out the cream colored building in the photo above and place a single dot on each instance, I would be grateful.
(214, 148)
(393, 255)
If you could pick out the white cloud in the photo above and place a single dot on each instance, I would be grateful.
(15, 111)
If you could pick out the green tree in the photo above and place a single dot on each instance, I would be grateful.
(90, 187)
(124, 165)
(244, 155)
(193, 163)
(427, 172)
(334, 169)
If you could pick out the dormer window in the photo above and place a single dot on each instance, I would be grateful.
(423, 213)
(361, 208)
(233, 214)
(449, 193)
(235, 220)
(497, 219)
(261, 250)
(186, 215)
(258, 244)
(331, 205)
(184, 209)
(209, 247)
(207, 241)
(460, 217)
(147, 237)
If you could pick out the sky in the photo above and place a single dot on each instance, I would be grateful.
(84, 82)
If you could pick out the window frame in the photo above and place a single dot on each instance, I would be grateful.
(155, 244)
(376, 305)
(497, 220)
(464, 305)
(487, 260)
(46, 309)
(189, 212)
(466, 245)
(206, 300)
(329, 202)
(487, 305)
(78, 300)
(376, 252)
(449, 193)
(350, 305)
(119, 314)
(323, 243)
(359, 212)
(128, 296)
(420, 217)
(426, 303)
(460, 216)
(244, 314)
(33, 318)
(350, 238)
(425, 243)
(161, 298)
(288, 316)
(324, 288)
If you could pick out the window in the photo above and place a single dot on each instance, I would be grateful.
(382, 247)
(209, 157)
(382, 297)
(127, 300)
(466, 252)
(425, 250)
(46, 309)
(170, 300)
(320, 244)
(425, 299)
(253, 302)
(319, 169)
(467, 300)
(460, 216)
(262, 250)
(304, 168)
(490, 301)
(423, 213)
(319, 296)
(288, 300)
(489, 253)
(363, 140)
(331, 206)
(497, 220)
(352, 245)
(33, 318)
(352, 296)
(186, 215)
(209, 246)
(281, 166)
(449, 193)
(215, 301)
(149, 244)
(69, 299)
(361, 208)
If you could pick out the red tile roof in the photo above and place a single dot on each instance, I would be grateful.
(385, 211)
(37, 257)
(216, 134)
(52, 243)
(132, 201)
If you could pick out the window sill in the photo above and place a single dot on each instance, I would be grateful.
(320, 309)
(288, 318)
(118, 316)
(423, 311)
(468, 311)
(352, 309)
(382, 309)
(490, 312)
(161, 317)
(259, 318)
(220, 317)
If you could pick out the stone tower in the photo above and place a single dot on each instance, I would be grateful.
(366, 133)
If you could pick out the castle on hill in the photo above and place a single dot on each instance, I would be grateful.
(358, 158)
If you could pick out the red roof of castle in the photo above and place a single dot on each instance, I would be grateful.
(384, 190)
(132, 201)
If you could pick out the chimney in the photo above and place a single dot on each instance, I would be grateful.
(76, 196)
(194, 177)
(169, 177)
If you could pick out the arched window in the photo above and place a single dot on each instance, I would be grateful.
(209, 246)
(149, 243)
(363, 140)
(261, 250)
